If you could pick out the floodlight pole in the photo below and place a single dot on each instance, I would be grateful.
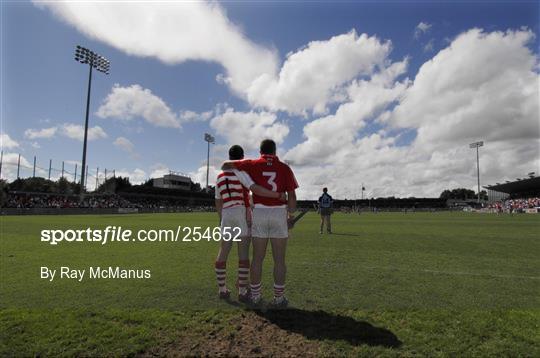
(85, 140)
(477, 145)
(478, 171)
(100, 63)
(207, 164)
(209, 139)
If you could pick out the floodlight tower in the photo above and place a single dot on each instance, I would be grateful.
(209, 139)
(477, 145)
(100, 63)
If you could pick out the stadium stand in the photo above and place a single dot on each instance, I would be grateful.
(521, 188)
(519, 196)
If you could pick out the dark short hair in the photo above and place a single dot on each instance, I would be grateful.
(236, 152)
(268, 146)
(325, 189)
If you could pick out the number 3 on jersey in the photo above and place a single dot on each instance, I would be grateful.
(271, 179)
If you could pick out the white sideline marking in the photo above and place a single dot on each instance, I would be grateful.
(453, 273)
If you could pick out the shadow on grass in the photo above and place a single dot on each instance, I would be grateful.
(321, 325)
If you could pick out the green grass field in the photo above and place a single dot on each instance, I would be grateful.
(388, 284)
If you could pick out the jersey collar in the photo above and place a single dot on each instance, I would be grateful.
(270, 156)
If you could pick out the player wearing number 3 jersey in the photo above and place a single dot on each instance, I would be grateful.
(233, 207)
(269, 215)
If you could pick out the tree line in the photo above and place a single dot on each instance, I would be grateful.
(462, 194)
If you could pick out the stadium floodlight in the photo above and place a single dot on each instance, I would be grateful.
(209, 139)
(101, 64)
(477, 145)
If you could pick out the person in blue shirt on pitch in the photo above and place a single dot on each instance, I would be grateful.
(325, 209)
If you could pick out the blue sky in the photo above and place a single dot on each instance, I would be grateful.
(43, 87)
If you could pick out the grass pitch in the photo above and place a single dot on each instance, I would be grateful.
(390, 284)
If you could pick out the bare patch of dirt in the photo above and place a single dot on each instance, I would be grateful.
(247, 335)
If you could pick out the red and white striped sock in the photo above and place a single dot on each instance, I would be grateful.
(279, 290)
(256, 290)
(220, 268)
(243, 276)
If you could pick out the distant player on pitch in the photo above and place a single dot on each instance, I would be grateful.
(325, 209)
(270, 217)
(234, 210)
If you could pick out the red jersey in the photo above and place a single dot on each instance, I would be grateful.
(269, 172)
(229, 188)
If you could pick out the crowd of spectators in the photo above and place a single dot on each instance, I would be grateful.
(64, 201)
(50, 201)
(178, 204)
(516, 205)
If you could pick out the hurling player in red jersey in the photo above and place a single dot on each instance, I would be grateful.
(270, 217)
(234, 210)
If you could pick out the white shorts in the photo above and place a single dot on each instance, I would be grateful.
(270, 223)
(235, 217)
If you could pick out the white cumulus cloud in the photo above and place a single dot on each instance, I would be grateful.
(9, 166)
(124, 144)
(173, 32)
(308, 80)
(249, 128)
(311, 77)
(330, 138)
(136, 176)
(126, 103)
(421, 28)
(40, 133)
(158, 170)
(191, 116)
(483, 86)
(199, 176)
(75, 131)
(6, 142)
(69, 130)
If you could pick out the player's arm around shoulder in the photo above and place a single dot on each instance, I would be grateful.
(248, 183)
(228, 165)
(235, 164)
(262, 191)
